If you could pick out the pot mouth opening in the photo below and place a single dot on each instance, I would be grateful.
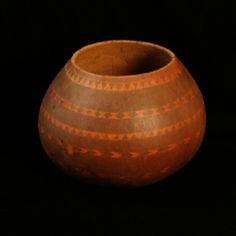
(122, 58)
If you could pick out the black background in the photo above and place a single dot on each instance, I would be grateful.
(39, 39)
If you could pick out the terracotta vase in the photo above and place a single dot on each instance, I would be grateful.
(123, 113)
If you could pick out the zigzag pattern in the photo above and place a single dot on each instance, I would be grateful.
(72, 150)
(119, 136)
(151, 112)
(118, 86)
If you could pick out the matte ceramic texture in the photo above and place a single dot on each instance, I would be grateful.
(123, 113)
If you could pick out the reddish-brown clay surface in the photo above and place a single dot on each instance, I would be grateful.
(122, 112)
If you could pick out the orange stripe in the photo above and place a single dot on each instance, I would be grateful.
(118, 86)
(119, 136)
(151, 112)
(72, 150)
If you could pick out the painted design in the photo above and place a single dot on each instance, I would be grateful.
(81, 151)
(171, 146)
(152, 152)
(187, 140)
(148, 175)
(151, 112)
(115, 155)
(134, 154)
(164, 170)
(70, 149)
(120, 136)
(118, 86)
(97, 153)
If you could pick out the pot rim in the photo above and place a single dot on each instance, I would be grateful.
(152, 72)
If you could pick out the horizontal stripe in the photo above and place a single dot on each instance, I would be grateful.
(120, 136)
(83, 151)
(135, 114)
(108, 101)
(163, 77)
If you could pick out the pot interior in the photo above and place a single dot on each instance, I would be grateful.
(118, 58)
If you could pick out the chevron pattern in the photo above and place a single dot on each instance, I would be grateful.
(84, 151)
(120, 136)
(151, 112)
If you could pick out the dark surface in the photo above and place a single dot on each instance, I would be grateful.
(39, 40)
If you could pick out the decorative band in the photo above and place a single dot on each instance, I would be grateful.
(118, 86)
(151, 112)
(120, 136)
(80, 151)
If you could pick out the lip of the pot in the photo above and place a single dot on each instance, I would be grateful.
(171, 54)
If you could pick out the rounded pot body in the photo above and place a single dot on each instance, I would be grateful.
(123, 113)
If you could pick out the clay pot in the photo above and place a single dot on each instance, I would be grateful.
(122, 112)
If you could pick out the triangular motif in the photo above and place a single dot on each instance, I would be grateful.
(127, 86)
